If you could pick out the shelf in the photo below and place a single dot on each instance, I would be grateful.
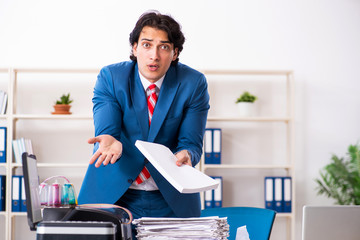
(17, 214)
(287, 215)
(242, 166)
(62, 165)
(52, 116)
(249, 119)
(2, 164)
(53, 70)
(3, 213)
(57, 165)
(246, 72)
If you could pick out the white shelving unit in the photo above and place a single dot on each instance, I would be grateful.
(12, 118)
(286, 118)
(16, 116)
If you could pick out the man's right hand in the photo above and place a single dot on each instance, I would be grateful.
(110, 150)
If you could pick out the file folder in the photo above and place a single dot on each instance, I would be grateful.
(208, 142)
(216, 146)
(16, 191)
(209, 198)
(2, 192)
(269, 193)
(16, 149)
(3, 102)
(218, 193)
(212, 146)
(23, 196)
(2, 144)
(287, 194)
(278, 194)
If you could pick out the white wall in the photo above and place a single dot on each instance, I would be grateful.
(319, 40)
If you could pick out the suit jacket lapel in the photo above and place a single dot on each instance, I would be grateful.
(138, 99)
(165, 99)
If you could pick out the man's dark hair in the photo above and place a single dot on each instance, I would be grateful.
(162, 22)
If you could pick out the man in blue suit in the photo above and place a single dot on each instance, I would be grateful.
(172, 113)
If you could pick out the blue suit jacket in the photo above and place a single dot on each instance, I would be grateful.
(178, 122)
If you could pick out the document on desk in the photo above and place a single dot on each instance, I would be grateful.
(182, 228)
(184, 178)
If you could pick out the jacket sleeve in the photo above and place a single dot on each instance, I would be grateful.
(106, 110)
(192, 128)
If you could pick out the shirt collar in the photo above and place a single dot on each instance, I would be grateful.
(146, 83)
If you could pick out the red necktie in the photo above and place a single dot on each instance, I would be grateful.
(151, 101)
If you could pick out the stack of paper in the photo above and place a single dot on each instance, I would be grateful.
(204, 228)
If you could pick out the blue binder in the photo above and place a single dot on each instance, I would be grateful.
(16, 193)
(208, 146)
(209, 199)
(212, 146)
(22, 196)
(218, 193)
(2, 144)
(287, 194)
(216, 146)
(269, 193)
(2, 192)
(278, 194)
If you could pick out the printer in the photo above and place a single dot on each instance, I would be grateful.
(84, 222)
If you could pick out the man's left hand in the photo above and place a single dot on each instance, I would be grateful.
(183, 158)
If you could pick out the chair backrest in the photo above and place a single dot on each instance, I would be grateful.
(258, 221)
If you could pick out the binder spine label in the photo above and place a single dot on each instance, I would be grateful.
(208, 146)
(16, 192)
(2, 144)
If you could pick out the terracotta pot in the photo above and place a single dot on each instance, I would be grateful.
(62, 109)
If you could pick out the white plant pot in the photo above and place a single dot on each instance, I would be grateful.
(246, 109)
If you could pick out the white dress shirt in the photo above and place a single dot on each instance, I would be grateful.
(149, 184)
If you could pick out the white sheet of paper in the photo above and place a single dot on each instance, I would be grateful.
(242, 233)
(185, 179)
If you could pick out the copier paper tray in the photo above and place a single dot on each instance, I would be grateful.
(75, 230)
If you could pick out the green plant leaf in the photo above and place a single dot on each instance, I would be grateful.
(64, 99)
(246, 97)
(340, 179)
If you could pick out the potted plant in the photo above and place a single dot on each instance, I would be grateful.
(340, 179)
(246, 104)
(63, 106)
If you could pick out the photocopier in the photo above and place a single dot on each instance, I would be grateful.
(87, 222)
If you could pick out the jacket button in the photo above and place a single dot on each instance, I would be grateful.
(130, 181)
(146, 161)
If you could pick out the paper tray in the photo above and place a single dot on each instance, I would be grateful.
(75, 230)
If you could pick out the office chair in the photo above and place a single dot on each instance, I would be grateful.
(258, 221)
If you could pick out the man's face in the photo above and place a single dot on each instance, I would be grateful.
(154, 53)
